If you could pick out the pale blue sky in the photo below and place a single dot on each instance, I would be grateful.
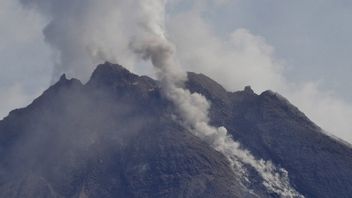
(311, 38)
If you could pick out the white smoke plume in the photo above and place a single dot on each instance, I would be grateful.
(78, 30)
(193, 107)
(242, 58)
(84, 33)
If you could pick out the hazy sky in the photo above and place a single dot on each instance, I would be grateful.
(300, 48)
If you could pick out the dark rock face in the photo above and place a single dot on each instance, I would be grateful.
(116, 137)
(113, 137)
(273, 129)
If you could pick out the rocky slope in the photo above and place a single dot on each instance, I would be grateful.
(116, 136)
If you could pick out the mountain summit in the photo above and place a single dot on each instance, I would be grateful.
(117, 136)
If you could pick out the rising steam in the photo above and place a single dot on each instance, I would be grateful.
(193, 107)
(149, 42)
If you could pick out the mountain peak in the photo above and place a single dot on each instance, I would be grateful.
(64, 82)
(110, 68)
(208, 87)
(248, 89)
(63, 77)
(109, 73)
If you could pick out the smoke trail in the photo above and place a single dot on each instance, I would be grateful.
(70, 35)
(193, 107)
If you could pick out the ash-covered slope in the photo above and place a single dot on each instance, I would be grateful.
(113, 137)
(273, 129)
(116, 136)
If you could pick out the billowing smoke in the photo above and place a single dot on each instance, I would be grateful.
(242, 57)
(71, 32)
(84, 33)
(193, 107)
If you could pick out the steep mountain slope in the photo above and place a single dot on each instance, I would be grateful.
(117, 136)
(273, 129)
(113, 137)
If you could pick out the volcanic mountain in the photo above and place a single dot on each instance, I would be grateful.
(117, 136)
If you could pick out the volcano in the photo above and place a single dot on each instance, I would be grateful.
(117, 136)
